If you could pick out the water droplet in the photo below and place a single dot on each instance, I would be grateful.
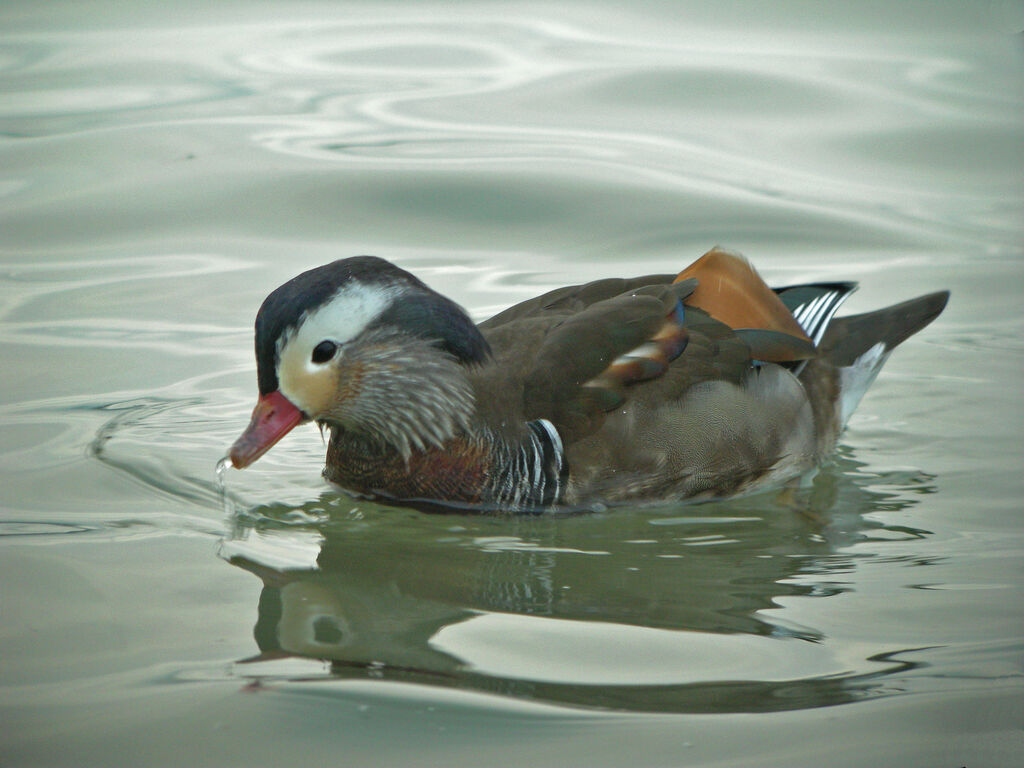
(226, 503)
(222, 467)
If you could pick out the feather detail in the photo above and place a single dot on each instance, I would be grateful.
(648, 360)
(731, 291)
(775, 347)
(814, 305)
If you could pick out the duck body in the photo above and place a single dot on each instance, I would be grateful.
(697, 385)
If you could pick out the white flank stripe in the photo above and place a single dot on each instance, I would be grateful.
(819, 306)
(855, 379)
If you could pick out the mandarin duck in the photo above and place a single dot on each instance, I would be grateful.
(698, 385)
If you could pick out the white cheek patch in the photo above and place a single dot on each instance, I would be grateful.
(343, 317)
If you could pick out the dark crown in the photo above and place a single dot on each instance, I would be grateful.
(417, 310)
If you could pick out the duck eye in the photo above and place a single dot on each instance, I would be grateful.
(324, 351)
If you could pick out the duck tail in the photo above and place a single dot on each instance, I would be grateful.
(848, 338)
(859, 345)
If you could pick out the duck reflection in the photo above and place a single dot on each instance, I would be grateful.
(657, 609)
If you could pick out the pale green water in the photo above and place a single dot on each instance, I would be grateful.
(161, 171)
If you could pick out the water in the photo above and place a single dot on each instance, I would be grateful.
(161, 171)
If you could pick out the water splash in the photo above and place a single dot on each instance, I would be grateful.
(222, 487)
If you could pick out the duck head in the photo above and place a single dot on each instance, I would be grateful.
(362, 346)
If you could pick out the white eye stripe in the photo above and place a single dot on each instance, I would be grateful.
(340, 319)
(349, 312)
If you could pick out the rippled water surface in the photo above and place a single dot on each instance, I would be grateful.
(162, 169)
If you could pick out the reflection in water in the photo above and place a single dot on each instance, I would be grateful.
(635, 610)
